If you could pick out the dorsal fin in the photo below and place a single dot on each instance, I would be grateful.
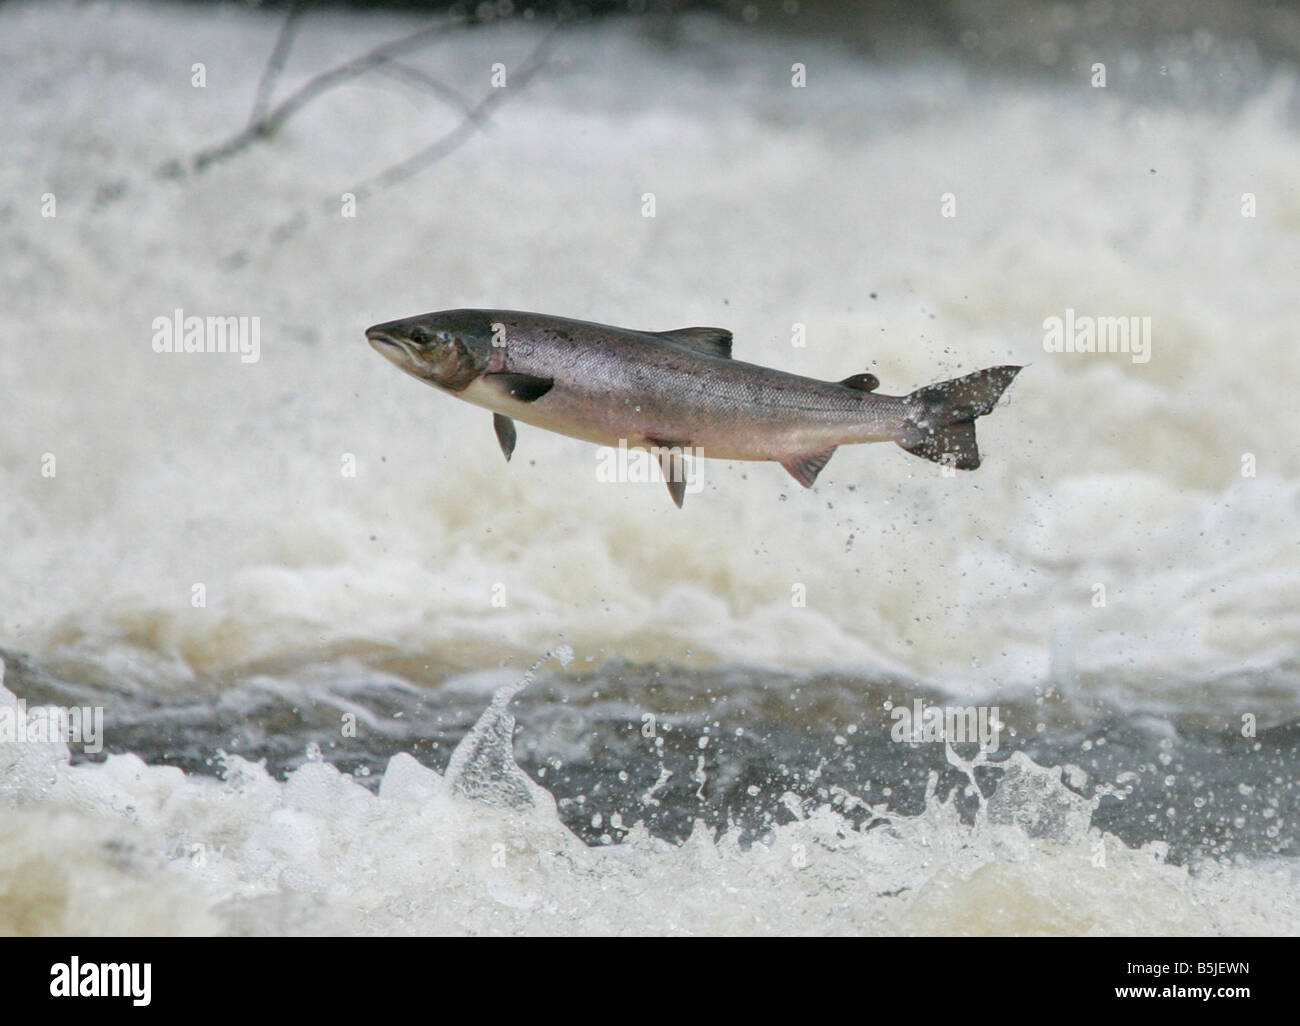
(709, 341)
(862, 382)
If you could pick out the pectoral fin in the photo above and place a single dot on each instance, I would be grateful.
(524, 387)
(505, 429)
(805, 466)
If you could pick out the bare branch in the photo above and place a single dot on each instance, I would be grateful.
(275, 118)
(276, 62)
(414, 76)
(458, 136)
(382, 59)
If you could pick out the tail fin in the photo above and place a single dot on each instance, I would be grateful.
(940, 419)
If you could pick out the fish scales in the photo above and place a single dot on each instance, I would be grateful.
(665, 390)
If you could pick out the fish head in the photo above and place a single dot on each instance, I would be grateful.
(448, 349)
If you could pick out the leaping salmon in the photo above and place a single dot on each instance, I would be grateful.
(675, 391)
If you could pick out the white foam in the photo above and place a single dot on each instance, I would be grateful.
(774, 207)
(176, 470)
(122, 847)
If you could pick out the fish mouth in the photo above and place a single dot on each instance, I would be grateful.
(384, 343)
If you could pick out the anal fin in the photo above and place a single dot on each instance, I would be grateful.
(805, 466)
(505, 429)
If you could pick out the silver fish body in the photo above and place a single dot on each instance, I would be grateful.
(674, 390)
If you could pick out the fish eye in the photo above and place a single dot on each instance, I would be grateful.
(421, 336)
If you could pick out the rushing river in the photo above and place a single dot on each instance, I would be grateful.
(293, 580)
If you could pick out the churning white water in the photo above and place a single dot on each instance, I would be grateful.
(171, 520)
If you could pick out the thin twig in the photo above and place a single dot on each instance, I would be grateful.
(458, 136)
(275, 118)
(276, 62)
(428, 156)
(414, 76)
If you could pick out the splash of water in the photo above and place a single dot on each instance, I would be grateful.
(483, 766)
